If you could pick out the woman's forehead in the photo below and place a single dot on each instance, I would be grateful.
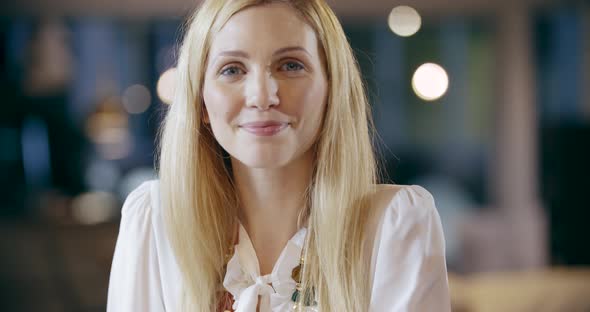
(269, 26)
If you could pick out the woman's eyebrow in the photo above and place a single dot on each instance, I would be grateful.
(234, 53)
(243, 54)
(291, 49)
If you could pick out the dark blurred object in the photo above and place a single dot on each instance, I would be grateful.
(55, 268)
(565, 160)
(42, 148)
(12, 181)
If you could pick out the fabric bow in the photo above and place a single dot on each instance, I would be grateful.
(243, 280)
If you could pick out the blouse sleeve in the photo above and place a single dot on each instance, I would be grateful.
(409, 256)
(134, 283)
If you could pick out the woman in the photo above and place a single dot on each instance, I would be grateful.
(267, 198)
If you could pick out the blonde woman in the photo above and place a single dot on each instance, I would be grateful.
(267, 198)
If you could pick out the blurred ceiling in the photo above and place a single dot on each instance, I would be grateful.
(347, 9)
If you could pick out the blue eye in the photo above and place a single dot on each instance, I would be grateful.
(232, 71)
(292, 66)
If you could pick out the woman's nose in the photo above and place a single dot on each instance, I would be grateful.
(262, 91)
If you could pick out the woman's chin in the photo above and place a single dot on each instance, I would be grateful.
(264, 161)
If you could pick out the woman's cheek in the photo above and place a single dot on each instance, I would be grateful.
(223, 104)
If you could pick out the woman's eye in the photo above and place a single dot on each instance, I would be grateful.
(232, 71)
(291, 66)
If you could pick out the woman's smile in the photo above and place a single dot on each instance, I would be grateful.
(264, 128)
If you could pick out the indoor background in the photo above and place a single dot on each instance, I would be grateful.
(484, 103)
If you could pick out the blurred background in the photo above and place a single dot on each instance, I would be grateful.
(484, 103)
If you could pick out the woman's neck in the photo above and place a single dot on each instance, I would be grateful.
(270, 203)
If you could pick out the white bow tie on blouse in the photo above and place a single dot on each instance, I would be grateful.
(244, 282)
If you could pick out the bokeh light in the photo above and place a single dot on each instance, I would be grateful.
(108, 128)
(167, 85)
(404, 21)
(94, 207)
(430, 81)
(136, 99)
(102, 175)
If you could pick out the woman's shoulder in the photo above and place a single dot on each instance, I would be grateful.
(141, 201)
(142, 266)
(396, 209)
(407, 250)
(403, 201)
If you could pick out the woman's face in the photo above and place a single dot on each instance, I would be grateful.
(265, 88)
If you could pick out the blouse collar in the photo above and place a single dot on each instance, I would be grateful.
(243, 280)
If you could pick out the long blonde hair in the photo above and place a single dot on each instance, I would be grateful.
(196, 183)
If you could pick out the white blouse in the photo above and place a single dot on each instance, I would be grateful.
(408, 269)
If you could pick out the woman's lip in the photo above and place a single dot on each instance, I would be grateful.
(264, 129)
(260, 124)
